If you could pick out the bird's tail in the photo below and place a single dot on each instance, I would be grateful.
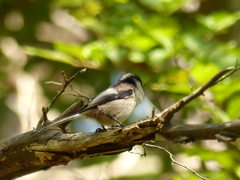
(58, 122)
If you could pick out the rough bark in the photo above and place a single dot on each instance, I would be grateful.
(31, 152)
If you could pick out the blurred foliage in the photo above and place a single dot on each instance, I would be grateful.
(174, 46)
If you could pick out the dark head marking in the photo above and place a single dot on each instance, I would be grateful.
(130, 78)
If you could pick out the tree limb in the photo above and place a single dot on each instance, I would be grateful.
(52, 147)
(44, 120)
(29, 152)
(176, 162)
(228, 131)
(167, 114)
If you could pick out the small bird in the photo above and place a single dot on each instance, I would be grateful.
(112, 106)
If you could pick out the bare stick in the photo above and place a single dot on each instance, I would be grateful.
(153, 112)
(44, 120)
(65, 84)
(168, 113)
(53, 82)
(78, 93)
(137, 152)
(176, 162)
(230, 73)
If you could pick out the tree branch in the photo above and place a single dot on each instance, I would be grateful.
(176, 162)
(227, 132)
(44, 120)
(52, 147)
(168, 113)
(29, 152)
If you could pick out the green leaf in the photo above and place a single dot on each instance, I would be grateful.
(166, 6)
(50, 54)
(219, 21)
(136, 56)
(201, 73)
(70, 49)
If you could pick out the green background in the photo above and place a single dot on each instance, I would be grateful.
(174, 46)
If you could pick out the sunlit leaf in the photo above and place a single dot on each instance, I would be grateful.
(219, 21)
(202, 73)
(50, 54)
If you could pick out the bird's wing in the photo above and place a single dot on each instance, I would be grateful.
(104, 97)
(107, 96)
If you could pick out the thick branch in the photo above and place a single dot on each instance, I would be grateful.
(29, 152)
(52, 147)
(228, 131)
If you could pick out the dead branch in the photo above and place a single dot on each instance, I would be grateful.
(29, 152)
(226, 132)
(174, 161)
(52, 147)
(44, 120)
(168, 113)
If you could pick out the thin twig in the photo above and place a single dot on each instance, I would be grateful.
(55, 83)
(153, 112)
(168, 113)
(229, 74)
(176, 162)
(65, 84)
(78, 93)
(43, 120)
(137, 152)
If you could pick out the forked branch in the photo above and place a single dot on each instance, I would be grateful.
(174, 161)
(44, 120)
(32, 152)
